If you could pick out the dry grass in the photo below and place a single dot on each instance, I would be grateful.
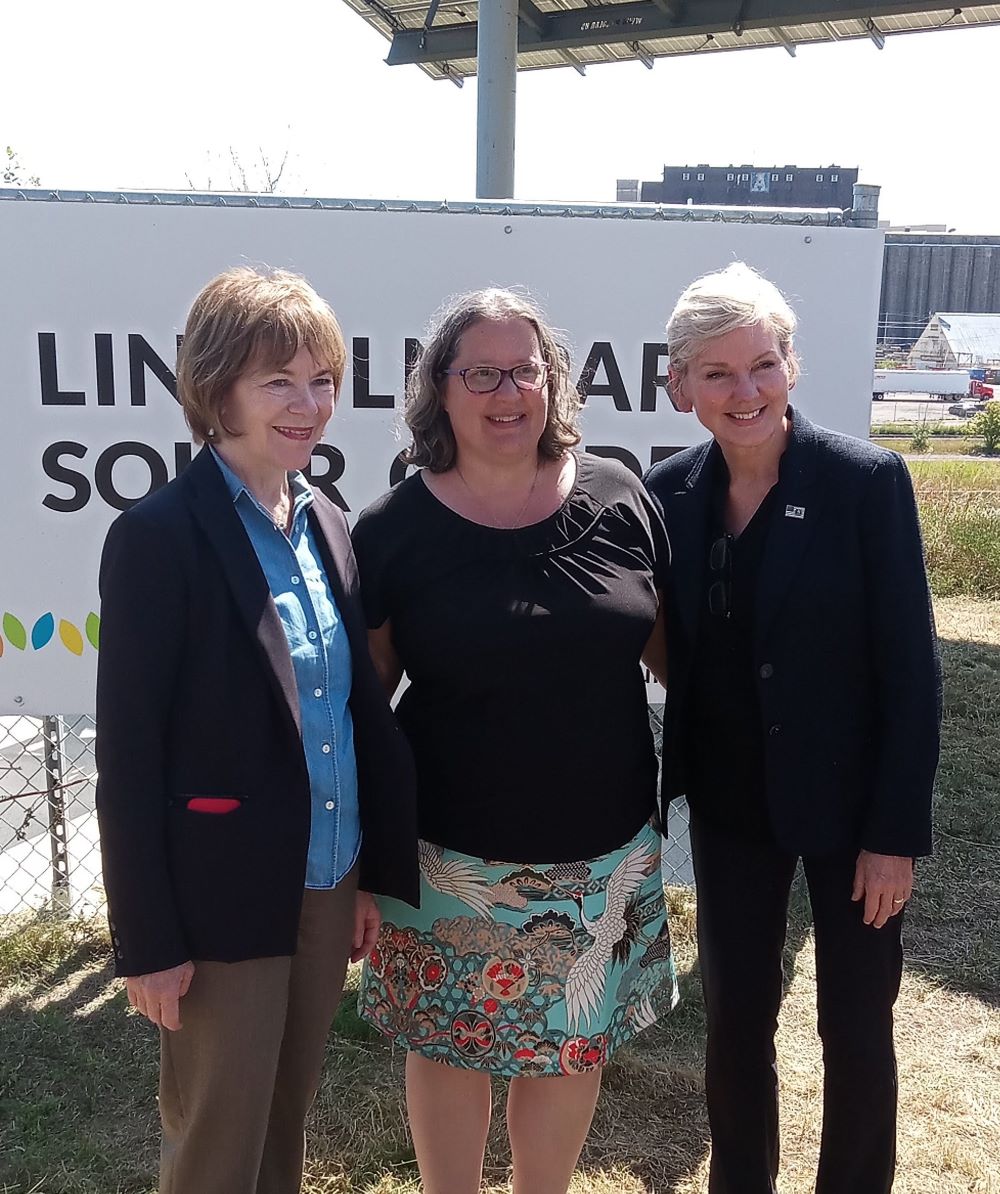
(959, 504)
(77, 1078)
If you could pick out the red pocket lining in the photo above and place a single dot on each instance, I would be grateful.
(213, 804)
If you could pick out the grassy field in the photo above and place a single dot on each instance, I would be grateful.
(936, 446)
(960, 515)
(77, 1079)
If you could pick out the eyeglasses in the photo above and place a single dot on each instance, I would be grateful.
(720, 592)
(484, 379)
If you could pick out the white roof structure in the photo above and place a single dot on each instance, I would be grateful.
(957, 339)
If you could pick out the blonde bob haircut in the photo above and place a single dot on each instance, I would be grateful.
(721, 302)
(249, 319)
(433, 445)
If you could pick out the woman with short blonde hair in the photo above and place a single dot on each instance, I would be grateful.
(801, 723)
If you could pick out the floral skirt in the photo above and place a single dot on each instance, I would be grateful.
(524, 969)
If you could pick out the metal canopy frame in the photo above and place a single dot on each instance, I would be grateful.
(442, 37)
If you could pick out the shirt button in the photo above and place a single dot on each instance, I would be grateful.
(317, 692)
(312, 634)
(773, 731)
(326, 746)
(766, 671)
(295, 580)
(329, 805)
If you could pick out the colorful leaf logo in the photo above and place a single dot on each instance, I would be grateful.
(72, 639)
(93, 630)
(1, 648)
(15, 632)
(42, 631)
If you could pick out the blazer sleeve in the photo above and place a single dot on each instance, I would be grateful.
(142, 630)
(903, 645)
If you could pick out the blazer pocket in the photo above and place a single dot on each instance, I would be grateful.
(211, 805)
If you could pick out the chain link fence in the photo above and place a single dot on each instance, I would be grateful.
(49, 852)
(50, 857)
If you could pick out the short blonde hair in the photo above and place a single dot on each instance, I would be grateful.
(246, 318)
(718, 303)
(433, 445)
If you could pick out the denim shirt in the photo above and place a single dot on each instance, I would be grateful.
(321, 658)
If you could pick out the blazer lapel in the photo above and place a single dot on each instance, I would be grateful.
(213, 508)
(687, 512)
(796, 513)
(334, 543)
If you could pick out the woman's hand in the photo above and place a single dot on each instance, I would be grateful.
(884, 882)
(157, 996)
(367, 920)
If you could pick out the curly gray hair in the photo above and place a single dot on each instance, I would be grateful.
(433, 445)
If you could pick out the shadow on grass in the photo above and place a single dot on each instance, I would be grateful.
(78, 1075)
(953, 921)
(77, 1085)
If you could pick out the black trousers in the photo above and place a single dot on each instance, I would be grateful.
(743, 890)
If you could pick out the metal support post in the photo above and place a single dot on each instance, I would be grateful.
(52, 738)
(497, 83)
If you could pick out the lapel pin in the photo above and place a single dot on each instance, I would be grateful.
(795, 511)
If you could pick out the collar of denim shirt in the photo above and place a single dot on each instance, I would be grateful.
(302, 494)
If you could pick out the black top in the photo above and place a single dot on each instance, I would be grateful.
(727, 787)
(845, 658)
(526, 708)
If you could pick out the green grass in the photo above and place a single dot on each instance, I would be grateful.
(78, 1070)
(905, 430)
(959, 504)
(938, 446)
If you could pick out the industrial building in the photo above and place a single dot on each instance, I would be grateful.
(746, 186)
(923, 273)
(957, 340)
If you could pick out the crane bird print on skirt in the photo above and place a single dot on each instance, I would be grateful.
(524, 968)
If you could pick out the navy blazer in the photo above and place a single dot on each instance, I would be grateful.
(845, 650)
(196, 697)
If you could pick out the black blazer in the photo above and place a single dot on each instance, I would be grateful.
(845, 651)
(196, 696)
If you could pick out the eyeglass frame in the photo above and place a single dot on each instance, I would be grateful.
(541, 365)
(720, 592)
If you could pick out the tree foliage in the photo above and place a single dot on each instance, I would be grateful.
(987, 424)
(13, 172)
(260, 174)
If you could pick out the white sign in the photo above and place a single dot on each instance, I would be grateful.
(94, 296)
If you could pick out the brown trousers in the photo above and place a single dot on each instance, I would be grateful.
(239, 1076)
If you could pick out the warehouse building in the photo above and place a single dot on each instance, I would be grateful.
(957, 340)
(745, 186)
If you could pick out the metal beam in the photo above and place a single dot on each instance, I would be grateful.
(644, 56)
(876, 34)
(785, 40)
(604, 24)
(532, 16)
(497, 72)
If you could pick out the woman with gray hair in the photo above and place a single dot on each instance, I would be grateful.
(513, 580)
(802, 723)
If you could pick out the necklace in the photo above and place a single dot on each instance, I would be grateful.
(501, 526)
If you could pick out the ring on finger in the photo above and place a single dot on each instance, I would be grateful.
(898, 903)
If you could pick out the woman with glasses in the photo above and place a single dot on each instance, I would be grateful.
(512, 579)
(802, 723)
